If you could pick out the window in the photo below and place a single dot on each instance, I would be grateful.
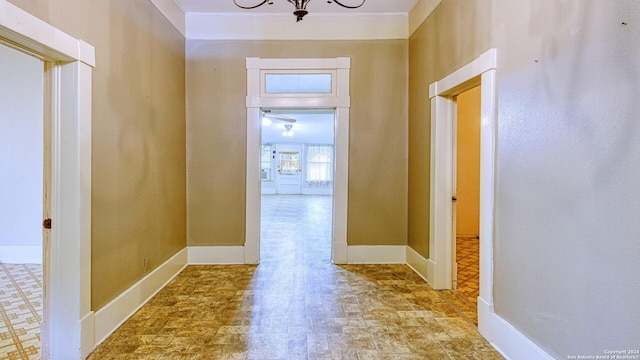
(289, 163)
(319, 163)
(302, 83)
(265, 163)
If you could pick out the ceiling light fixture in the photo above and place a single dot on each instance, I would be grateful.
(266, 121)
(288, 131)
(301, 6)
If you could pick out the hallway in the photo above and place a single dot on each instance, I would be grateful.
(297, 305)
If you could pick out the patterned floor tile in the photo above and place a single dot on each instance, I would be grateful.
(296, 304)
(20, 311)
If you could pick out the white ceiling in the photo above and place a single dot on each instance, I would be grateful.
(282, 6)
(311, 127)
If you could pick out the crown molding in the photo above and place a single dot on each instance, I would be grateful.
(173, 12)
(232, 26)
(420, 12)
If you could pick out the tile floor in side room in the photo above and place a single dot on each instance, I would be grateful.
(297, 305)
(20, 311)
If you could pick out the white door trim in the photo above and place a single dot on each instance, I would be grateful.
(338, 100)
(67, 330)
(481, 71)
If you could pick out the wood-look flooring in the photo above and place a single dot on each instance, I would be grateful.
(297, 305)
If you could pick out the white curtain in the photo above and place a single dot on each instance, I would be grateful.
(319, 165)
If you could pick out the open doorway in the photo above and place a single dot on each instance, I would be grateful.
(466, 199)
(296, 172)
(479, 72)
(67, 325)
(22, 179)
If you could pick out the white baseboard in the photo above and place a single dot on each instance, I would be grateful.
(216, 255)
(112, 315)
(419, 264)
(20, 254)
(87, 334)
(317, 191)
(383, 254)
(505, 338)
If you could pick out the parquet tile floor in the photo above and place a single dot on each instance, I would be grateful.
(20, 311)
(465, 299)
(297, 305)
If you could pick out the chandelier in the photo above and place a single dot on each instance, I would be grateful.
(301, 6)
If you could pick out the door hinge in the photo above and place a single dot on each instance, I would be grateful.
(46, 223)
(454, 198)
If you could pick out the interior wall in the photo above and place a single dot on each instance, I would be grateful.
(21, 152)
(216, 136)
(468, 164)
(138, 140)
(568, 168)
(457, 32)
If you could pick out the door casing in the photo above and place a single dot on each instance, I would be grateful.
(479, 72)
(339, 100)
(67, 329)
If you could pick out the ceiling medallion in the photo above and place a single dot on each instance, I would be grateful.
(301, 6)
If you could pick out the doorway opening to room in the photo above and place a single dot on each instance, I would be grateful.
(466, 201)
(296, 174)
(444, 94)
(312, 85)
(24, 176)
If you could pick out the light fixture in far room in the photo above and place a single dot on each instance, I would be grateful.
(301, 6)
(288, 131)
(266, 121)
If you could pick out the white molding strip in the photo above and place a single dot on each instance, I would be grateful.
(419, 264)
(216, 255)
(38, 36)
(173, 12)
(227, 26)
(112, 315)
(510, 342)
(382, 254)
(10, 254)
(420, 12)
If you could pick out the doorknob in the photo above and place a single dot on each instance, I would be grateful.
(46, 223)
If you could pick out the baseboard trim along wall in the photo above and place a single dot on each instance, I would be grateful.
(383, 254)
(112, 315)
(510, 342)
(419, 264)
(216, 255)
(505, 338)
(10, 254)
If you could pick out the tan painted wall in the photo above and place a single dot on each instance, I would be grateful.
(568, 168)
(468, 164)
(138, 180)
(453, 35)
(216, 136)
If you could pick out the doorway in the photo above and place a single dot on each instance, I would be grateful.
(296, 173)
(321, 83)
(22, 208)
(466, 198)
(479, 72)
(67, 326)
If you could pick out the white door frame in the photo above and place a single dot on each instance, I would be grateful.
(67, 329)
(339, 100)
(481, 71)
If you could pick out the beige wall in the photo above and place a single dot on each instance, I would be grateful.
(568, 167)
(456, 33)
(138, 153)
(216, 133)
(468, 164)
